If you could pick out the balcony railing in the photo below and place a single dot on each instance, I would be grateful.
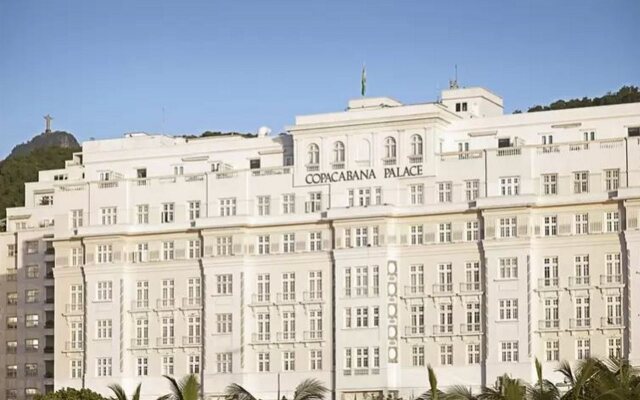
(73, 309)
(263, 337)
(139, 343)
(261, 299)
(442, 288)
(414, 330)
(547, 283)
(580, 323)
(611, 322)
(191, 340)
(285, 337)
(548, 324)
(470, 328)
(508, 151)
(285, 298)
(166, 303)
(578, 281)
(611, 280)
(439, 330)
(466, 287)
(191, 302)
(389, 161)
(312, 297)
(168, 341)
(415, 159)
(73, 346)
(140, 305)
(411, 291)
(337, 165)
(312, 335)
(32, 349)
(313, 167)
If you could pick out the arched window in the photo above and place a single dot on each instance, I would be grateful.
(389, 147)
(338, 152)
(416, 145)
(314, 154)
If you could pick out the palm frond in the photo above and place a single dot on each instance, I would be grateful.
(136, 393)
(118, 391)
(459, 392)
(176, 392)
(190, 387)
(310, 389)
(237, 392)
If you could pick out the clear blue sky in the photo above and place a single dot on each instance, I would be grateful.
(102, 68)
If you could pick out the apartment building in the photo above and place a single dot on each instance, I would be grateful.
(358, 248)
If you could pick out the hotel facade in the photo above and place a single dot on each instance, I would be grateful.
(357, 248)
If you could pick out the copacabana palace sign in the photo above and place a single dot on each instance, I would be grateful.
(362, 174)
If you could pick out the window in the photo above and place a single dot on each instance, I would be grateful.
(461, 107)
(507, 227)
(142, 213)
(508, 268)
(633, 132)
(611, 179)
(416, 194)
(167, 292)
(550, 225)
(446, 354)
(313, 154)
(510, 186)
(105, 253)
(103, 366)
(12, 347)
(168, 250)
(76, 369)
(264, 362)
(193, 329)
(509, 351)
(348, 318)
(31, 320)
(614, 347)
(390, 149)
(194, 210)
(315, 285)
(589, 136)
(223, 323)
(264, 287)
(549, 184)
(224, 284)
(547, 139)
(142, 332)
(581, 224)
(504, 142)
(194, 249)
(288, 203)
(444, 192)
(168, 213)
(194, 291)
(264, 205)
(109, 215)
(11, 250)
(228, 207)
(445, 318)
(142, 366)
(31, 295)
(550, 271)
(508, 310)
(614, 310)
(254, 163)
(338, 152)
(12, 298)
(178, 169)
(417, 356)
(472, 231)
(315, 202)
(417, 319)
(416, 146)
(362, 317)
(473, 353)
(167, 365)
(33, 271)
(32, 246)
(104, 291)
(613, 268)
(193, 364)
(583, 348)
(417, 236)
(362, 357)
(472, 276)
(581, 264)
(288, 361)
(612, 221)
(444, 232)
(103, 329)
(361, 236)
(223, 363)
(347, 282)
(551, 314)
(583, 312)
(445, 278)
(472, 189)
(167, 331)
(288, 325)
(224, 245)
(315, 241)
(581, 182)
(12, 322)
(315, 359)
(141, 253)
(552, 350)
(375, 284)
(264, 244)
(77, 219)
(289, 286)
(472, 317)
(288, 243)
(362, 281)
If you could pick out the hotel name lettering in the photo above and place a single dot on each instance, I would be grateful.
(362, 174)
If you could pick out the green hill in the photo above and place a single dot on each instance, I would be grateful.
(626, 94)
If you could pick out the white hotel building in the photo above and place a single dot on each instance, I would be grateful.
(357, 248)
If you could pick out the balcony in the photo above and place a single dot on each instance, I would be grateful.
(471, 328)
(311, 336)
(49, 274)
(580, 323)
(548, 283)
(312, 297)
(49, 300)
(579, 281)
(48, 349)
(611, 280)
(285, 337)
(443, 289)
(508, 151)
(414, 331)
(337, 165)
(548, 324)
(140, 305)
(285, 298)
(443, 330)
(73, 346)
(191, 302)
(32, 349)
(415, 159)
(73, 309)
(470, 287)
(389, 161)
(414, 291)
(191, 341)
(11, 350)
(358, 291)
(313, 167)
(139, 343)
(165, 304)
(168, 341)
(264, 337)
(611, 322)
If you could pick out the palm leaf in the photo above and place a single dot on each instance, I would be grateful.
(459, 392)
(237, 392)
(118, 391)
(310, 389)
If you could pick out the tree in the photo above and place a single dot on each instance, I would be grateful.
(626, 94)
(309, 389)
(543, 389)
(617, 379)
(506, 388)
(70, 394)
(459, 392)
(187, 389)
(582, 382)
(121, 395)
(433, 393)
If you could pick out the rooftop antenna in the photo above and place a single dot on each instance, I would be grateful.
(453, 83)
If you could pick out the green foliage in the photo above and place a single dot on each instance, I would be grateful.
(626, 94)
(122, 395)
(187, 389)
(71, 394)
(15, 171)
(309, 389)
(218, 133)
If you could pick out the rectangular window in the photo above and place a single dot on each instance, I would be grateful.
(583, 348)
(633, 131)
(223, 363)
(76, 369)
(168, 250)
(288, 361)
(472, 231)
(510, 186)
(264, 205)
(612, 221)
(611, 179)
(315, 241)
(583, 312)
(105, 253)
(417, 234)
(315, 202)
(288, 286)
(550, 271)
(508, 309)
(167, 215)
(224, 285)
(315, 285)
(473, 353)
(194, 249)
(552, 350)
(416, 194)
(142, 366)
(103, 329)
(224, 245)
(315, 358)
(581, 182)
(288, 203)
(264, 244)
(508, 227)
(31, 320)
(581, 224)
(142, 214)
(508, 268)
(194, 364)
(77, 219)
(223, 323)
(417, 356)
(228, 207)
(167, 365)
(446, 354)
(31, 296)
(614, 347)
(613, 268)
(167, 293)
(103, 366)
(141, 254)
(264, 288)
(33, 271)
(509, 351)
(549, 184)
(589, 136)
(104, 291)
(264, 362)
(288, 243)
(361, 236)
(109, 215)
(444, 233)
(444, 192)
(550, 225)
(472, 189)
(194, 210)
